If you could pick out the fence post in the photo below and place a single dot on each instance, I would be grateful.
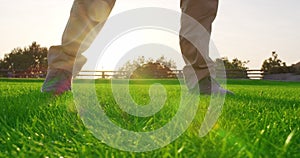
(103, 74)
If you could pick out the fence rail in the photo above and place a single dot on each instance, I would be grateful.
(255, 74)
(247, 74)
(18, 73)
(250, 74)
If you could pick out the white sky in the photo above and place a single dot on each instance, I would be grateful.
(248, 30)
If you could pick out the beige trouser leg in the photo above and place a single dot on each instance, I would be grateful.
(204, 12)
(84, 16)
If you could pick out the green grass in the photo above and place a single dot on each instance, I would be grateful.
(261, 120)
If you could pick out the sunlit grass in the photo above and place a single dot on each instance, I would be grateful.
(261, 120)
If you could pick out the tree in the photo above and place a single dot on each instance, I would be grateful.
(235, 64)
(296, 68)
(142, 68)
(274, 65)
(234, 69)
(3, 72)
(152, 70)
(30, 61)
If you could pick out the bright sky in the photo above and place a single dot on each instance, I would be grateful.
(248, 30)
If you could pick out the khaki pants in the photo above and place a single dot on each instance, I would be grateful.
(86, 14)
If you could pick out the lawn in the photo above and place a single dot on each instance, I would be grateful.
(262, 119)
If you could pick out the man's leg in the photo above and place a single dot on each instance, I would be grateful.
(204, 12)
(199, 69)
(84, 16)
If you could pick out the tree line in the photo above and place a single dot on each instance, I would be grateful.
(31, 61)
